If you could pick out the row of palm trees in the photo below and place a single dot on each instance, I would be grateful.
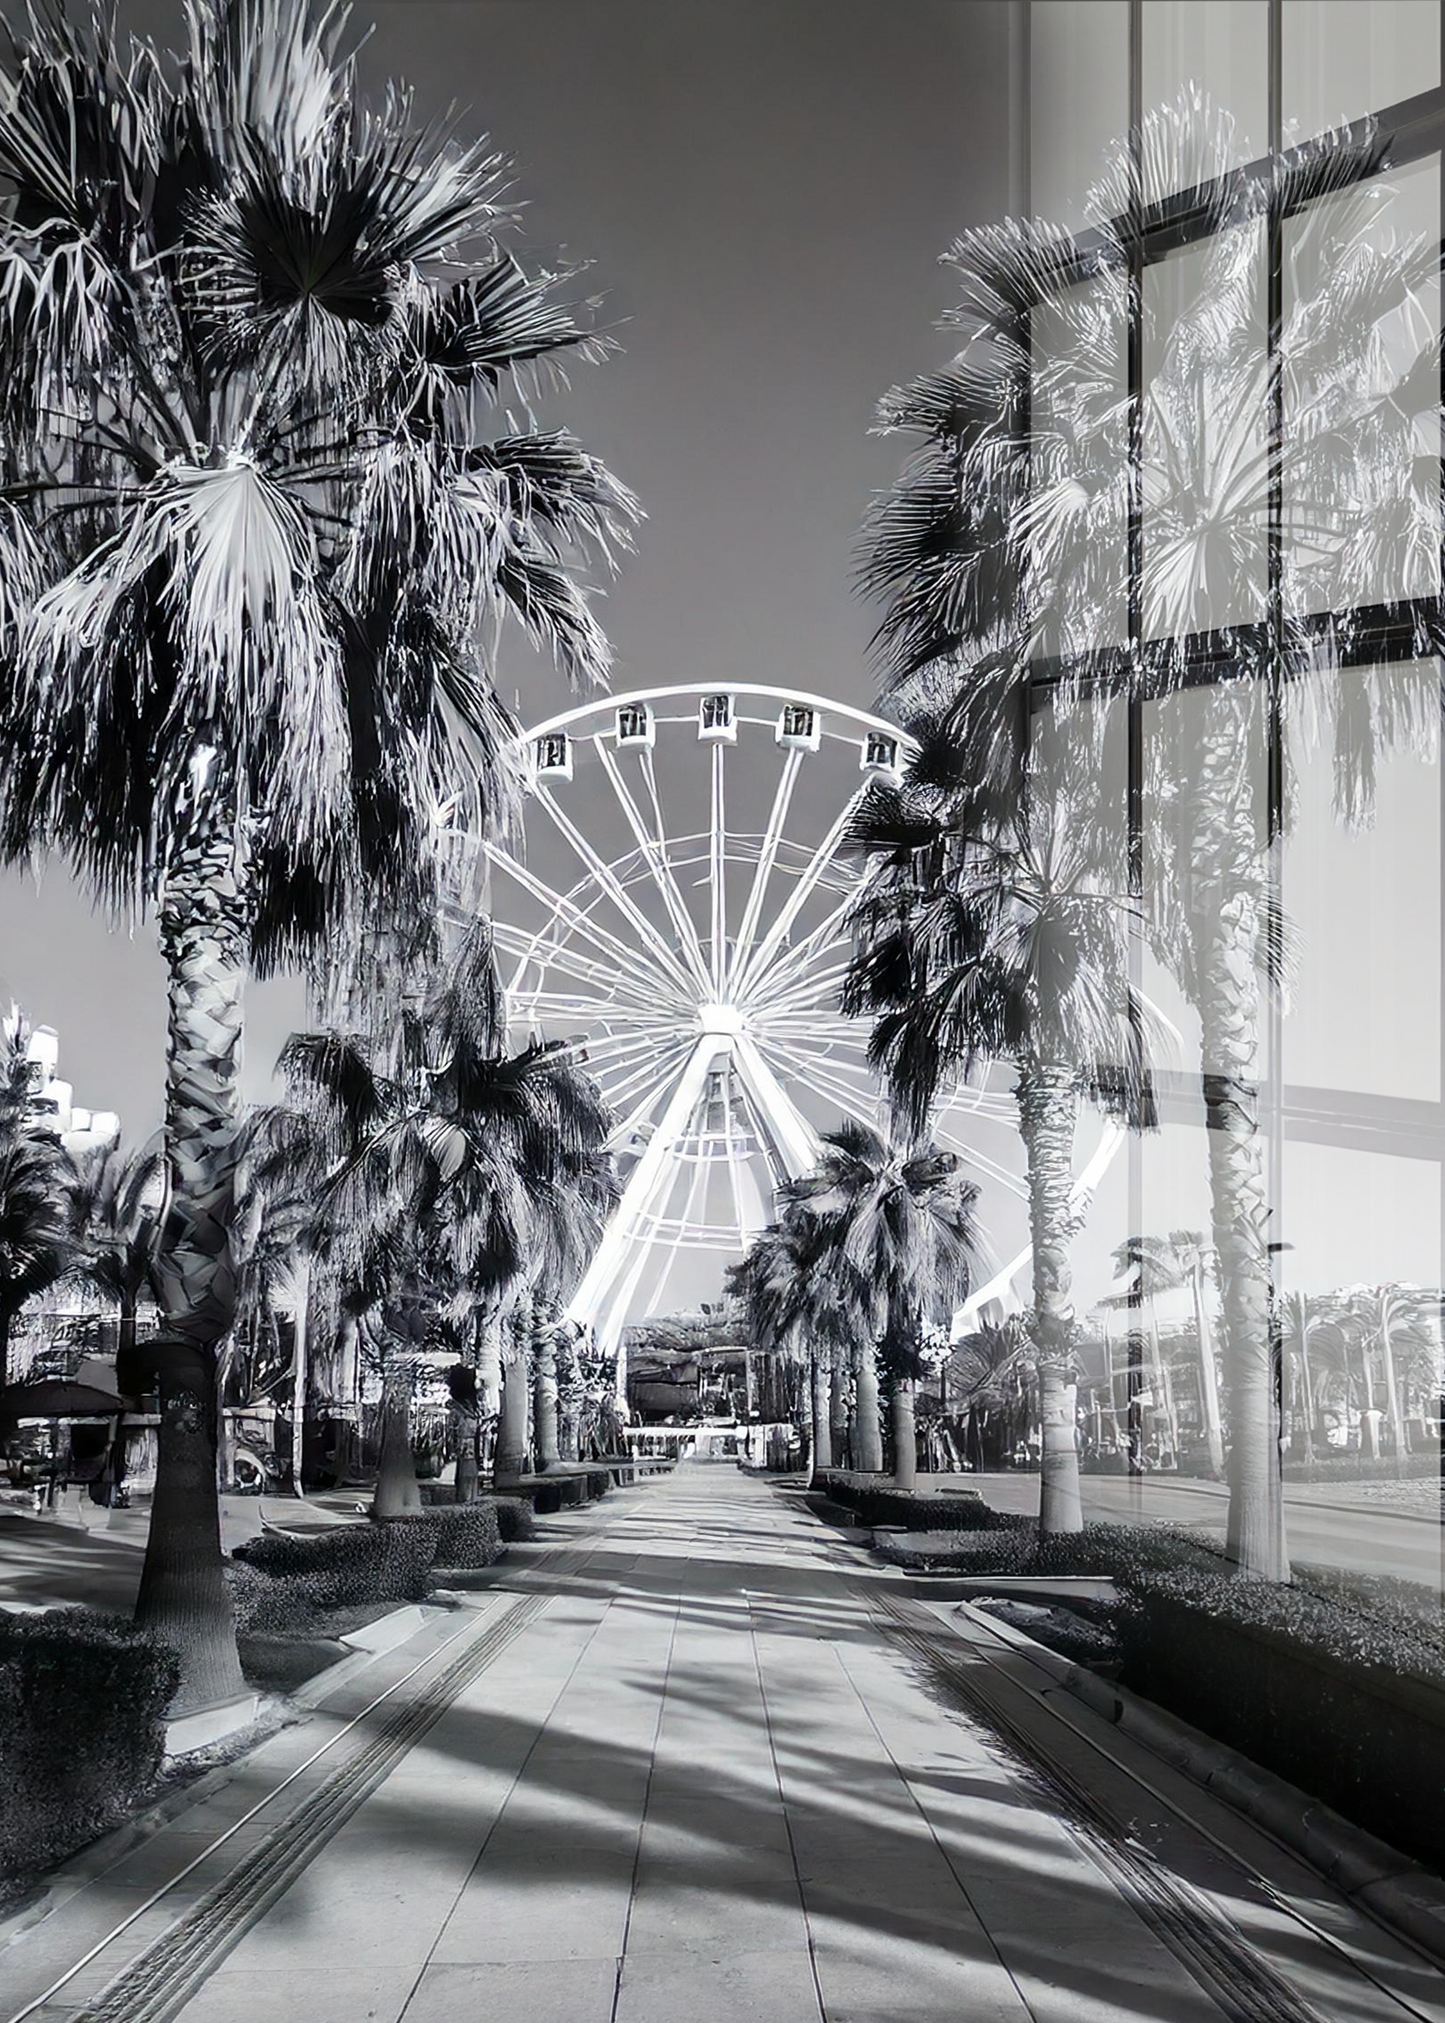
(1060, 552)
(263, 508)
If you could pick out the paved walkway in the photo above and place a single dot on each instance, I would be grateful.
(692, 1758)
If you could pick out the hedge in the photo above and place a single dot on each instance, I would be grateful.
(878, 1502)
(82, 1729)
(1348, 1706)
(516, 1519)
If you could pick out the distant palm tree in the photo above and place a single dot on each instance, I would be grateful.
(796, 1304)
(432, 1152)
(1384, 1323)
(254, 543)
(36, 1245)
(114, 1202)
(996, 928)
(1167, 1264)
(893, 1221)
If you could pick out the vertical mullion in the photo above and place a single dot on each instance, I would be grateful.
(1440, 847)
(1275, 787)
(1134, 699)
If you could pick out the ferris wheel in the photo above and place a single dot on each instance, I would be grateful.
(680, 917)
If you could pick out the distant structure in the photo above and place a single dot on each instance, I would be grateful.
(52, 1100)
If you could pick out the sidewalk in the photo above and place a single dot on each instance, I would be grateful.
(685, 1760)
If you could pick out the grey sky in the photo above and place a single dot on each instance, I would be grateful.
(764, 187)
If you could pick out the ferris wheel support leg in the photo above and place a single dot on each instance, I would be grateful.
(794, 1145)
(610, 1258)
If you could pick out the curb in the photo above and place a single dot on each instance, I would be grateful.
(1381, 1881)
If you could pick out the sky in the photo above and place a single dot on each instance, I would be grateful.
(764, 190)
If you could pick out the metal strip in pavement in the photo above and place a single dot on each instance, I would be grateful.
(1184, 1919)
(155, 1985)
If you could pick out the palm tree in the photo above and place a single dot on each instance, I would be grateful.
(1167, 1264)
(35, 1240)
(1303, 1318)
(793, 1299)
(431, 1151)
(114, 1203)
(1384, 1322)
(893, 1223)
(994, 928)
(1008, 535)
(254, 547)
(991, 1372)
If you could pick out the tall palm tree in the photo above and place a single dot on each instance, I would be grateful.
(995, 928)
(797, 1306)
(1385, 1323)
(1008, 536)
(255, 543)
(893, 1222)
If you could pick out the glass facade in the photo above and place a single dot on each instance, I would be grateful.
(1260, 613)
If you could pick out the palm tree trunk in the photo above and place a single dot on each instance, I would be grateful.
(300, 1376)
(5, 1321)
(398, 1492)
(203, 933)
(868, 1437)
(1229, 1016)
(1393, 1411)
(905, 1433)
(465, 1426)
(544, 1401)
(1048, 1102)
(1307, 1382)
(822, 1414)
(838, 1407)
(1208, 1374)
(511, 1454)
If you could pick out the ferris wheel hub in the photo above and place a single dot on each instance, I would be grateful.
(717, 1021)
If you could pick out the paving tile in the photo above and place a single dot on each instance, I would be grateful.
(569, 1904)
(737, 1987)
(550, 1991)
(710, 1910)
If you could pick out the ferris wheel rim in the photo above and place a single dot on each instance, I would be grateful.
(614, 699)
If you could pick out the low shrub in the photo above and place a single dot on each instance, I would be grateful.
(516, 1519)
(351, 1564)
(82, 1729)
(465, 1534)
(599, 1482)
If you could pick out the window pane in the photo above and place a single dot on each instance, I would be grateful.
(1079, 429)
(1221, 51)
(1344, 58)
(1363, 903)
(1205, 435)
(1361, 394)
(1079, 98)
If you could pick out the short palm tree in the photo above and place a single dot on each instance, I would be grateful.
(115, 1199)
(256, 536)
(798, 1308)
(36, 1245)
(996, 929)
(430, 1148)
(1185, 1258)
(893, 1223)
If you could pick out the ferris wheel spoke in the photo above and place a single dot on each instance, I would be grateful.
(579, 920)
(820, 987)
(654, 855)
(622, 900)
(805, 1069)
(803, 889)
(831, 929)
(767, 857)
(954, 1140)
(612, 993)
(654, 1078)
(561, 1004)
(717, 873)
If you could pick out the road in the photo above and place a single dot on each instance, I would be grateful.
(1322, 1526)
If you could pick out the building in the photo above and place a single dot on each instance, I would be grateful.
(53, 1101)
